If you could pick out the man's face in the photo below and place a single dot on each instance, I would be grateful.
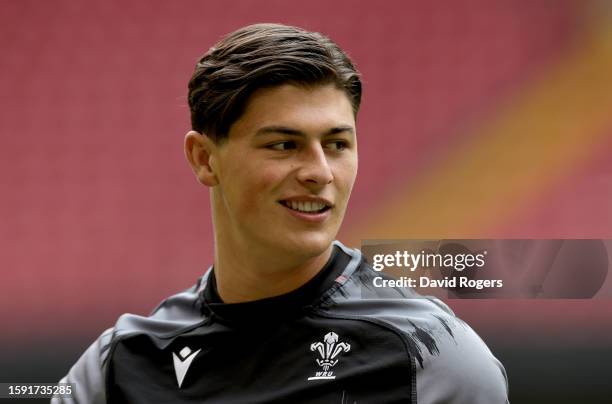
(286, 170)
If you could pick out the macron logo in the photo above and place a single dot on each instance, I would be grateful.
(182, 361)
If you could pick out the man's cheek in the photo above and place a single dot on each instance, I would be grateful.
(270, 183)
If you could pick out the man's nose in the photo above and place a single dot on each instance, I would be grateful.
(315, 169)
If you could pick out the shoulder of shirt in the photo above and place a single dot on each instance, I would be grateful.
(357, 288)
(173, 316)
(438, 341)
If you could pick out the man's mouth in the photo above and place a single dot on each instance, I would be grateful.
(306, 206)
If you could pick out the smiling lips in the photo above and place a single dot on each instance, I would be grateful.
(308, 208)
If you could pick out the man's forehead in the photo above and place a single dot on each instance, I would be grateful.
(291, 131)
(296, 109)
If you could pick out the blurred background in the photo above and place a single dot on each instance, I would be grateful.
(480, 119)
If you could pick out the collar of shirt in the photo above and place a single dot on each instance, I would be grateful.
(276, 308)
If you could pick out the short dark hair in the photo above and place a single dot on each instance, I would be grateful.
(259, 56)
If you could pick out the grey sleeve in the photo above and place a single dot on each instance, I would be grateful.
(87, 374)
(464, 372)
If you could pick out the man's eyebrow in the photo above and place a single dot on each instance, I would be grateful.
(285, 130)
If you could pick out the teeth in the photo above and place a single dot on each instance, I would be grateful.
(305, 206)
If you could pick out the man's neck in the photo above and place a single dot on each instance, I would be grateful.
(244, 276)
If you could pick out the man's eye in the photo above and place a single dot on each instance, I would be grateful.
(282, 146)
(338, 145)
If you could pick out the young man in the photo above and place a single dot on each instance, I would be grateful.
(285, 314)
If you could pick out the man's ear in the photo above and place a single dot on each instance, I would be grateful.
(200, 152)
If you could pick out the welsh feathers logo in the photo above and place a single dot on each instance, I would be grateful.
(328, 351)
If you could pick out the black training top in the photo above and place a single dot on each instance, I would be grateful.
(336, 339)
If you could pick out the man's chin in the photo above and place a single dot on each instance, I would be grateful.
(308, 246)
